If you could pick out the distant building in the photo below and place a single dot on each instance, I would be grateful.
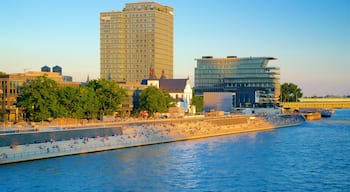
(135, 40)
(179, 89)
(67, 78)
(57, 69)
(217, 101)
(253, 82)
(10, 86)
(132, 102)
(45, 69)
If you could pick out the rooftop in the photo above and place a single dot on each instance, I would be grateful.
(234, 58)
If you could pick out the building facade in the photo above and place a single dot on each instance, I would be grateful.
(179, 89)
(45, 69)
(10, 89)
(57, 69)
(135, 40)
(217, 101)
(251, 80)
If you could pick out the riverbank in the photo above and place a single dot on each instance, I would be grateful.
(143, 133)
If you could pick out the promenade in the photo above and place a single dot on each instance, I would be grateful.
(138, 134)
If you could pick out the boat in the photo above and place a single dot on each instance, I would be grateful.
(326, 113)
(312, 116)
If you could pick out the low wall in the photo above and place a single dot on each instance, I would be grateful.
(46, 136)
(130, 135)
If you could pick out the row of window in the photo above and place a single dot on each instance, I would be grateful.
(208, 74)
(229, 81)
(137, 59)
(129, 46)
(150, 30)
(235, 67)
(11, 83)
(121, 42)
(211, 82)
(139, 25)
(115, 27)
(140, 15)
(249, 85)
(11, 92)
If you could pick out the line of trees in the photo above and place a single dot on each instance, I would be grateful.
(42, 99)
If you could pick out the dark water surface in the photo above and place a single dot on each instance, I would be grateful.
(311, 157)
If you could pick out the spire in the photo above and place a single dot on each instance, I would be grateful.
(163, 75)
(152, 76)
(88, 79)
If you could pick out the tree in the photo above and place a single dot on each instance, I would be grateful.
(88, 102)
(39, 99)
(2, 73)
(290, 93)
(67, 100)
(198, 102)
(77, 102)
(155, 100)
(109, 95)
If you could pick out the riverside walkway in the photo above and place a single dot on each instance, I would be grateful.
(138, 134)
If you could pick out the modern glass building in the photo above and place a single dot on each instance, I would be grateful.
(135, 40)
(250, 79)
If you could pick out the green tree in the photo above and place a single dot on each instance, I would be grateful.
(67, 100)
(198, 102)
(109, 95)
(2, 73)
(39, 99)
(88, 103)
(290, 93)
(155, 100)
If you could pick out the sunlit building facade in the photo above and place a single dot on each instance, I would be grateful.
(11, 87)
(136, 40)
(250, 79)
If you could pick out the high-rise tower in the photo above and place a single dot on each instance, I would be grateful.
(136, 40)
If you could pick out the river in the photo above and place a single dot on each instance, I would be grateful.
(312, 157)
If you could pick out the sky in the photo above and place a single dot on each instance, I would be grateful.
(309, 38)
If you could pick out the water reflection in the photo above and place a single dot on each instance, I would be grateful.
(311, 157)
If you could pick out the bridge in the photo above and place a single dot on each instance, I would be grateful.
(330, 103)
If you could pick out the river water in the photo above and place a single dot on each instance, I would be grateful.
(312, 157)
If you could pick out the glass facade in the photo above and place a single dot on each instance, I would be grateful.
(251, 79)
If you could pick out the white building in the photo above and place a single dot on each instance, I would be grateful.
(179, 89)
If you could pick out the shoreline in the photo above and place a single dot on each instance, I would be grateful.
(139, 134)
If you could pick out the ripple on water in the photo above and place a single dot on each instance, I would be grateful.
(311, 157)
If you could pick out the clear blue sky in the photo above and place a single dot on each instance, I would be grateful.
(310, 38)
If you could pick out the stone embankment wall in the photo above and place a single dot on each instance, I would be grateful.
(197, 128)
(46, 136)
(122, 135)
